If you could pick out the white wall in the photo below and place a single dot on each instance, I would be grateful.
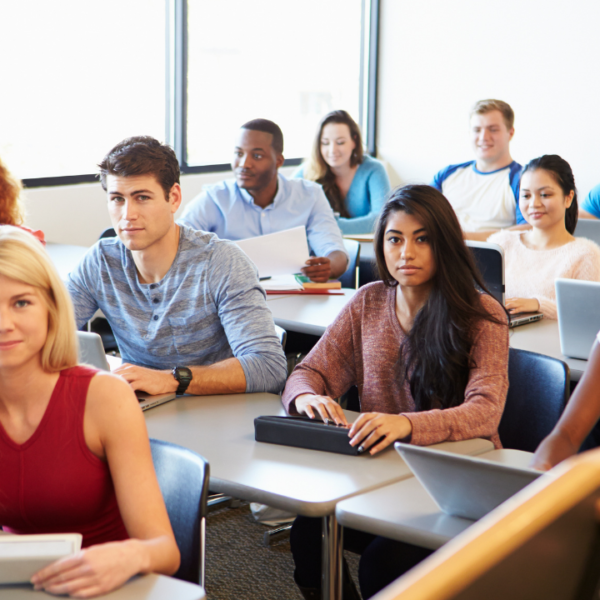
(438, 57)
(76, 214)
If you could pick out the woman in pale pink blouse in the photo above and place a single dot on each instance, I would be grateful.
(428, 354)
(534, 259)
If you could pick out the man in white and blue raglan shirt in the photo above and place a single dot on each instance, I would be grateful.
(260, 201)
(485, 192)
(186, 308)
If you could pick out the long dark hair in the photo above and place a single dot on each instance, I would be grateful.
(561, 171)
(436, 352)
(318, 170)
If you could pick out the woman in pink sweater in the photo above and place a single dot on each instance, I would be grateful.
(535, 258)
(428, 353)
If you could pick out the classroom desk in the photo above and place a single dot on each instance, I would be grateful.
(404, 511)
(307, 482)
(65, 257)
(542, 337)
(147, 587)
(307, 314)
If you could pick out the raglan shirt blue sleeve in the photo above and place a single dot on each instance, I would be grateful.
(377, 187)
(591, 202)
(515, 184)
(80, 284)
(246, 319)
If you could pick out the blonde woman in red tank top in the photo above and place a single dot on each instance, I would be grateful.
(74, 446)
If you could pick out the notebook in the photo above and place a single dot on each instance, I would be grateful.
(490, 262)
(464, 486)
(578, 308)
(22, 556)
(91, 352)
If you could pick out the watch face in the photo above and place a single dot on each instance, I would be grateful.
(183, 374)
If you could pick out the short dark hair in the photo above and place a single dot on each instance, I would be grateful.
(561, 172)
(268, 127)
(142, 155)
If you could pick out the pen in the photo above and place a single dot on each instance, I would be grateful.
(264, 278)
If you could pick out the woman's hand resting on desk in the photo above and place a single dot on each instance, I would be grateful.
(371, 427)
(522, 305)
(93, 571)
(327, 408)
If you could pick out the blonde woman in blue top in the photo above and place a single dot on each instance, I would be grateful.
(355, 184)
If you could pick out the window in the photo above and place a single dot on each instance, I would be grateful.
(81, 76)
(285, 61)
(78, 77)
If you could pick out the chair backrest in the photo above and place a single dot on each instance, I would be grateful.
(489, 259)
(282, 335)
(588, 228)
(537, 395)
(350, 278)
(107, 233)
(183, 480)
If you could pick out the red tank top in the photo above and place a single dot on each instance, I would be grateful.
(53, 483)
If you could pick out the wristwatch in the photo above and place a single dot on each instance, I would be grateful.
(184, 377)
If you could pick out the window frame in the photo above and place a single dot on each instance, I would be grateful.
(176, 92)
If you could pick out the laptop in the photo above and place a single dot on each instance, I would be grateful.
(578, 308)
(489, 259)
(91, 352)
(464, 486)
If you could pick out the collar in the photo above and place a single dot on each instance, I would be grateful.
(279, 195)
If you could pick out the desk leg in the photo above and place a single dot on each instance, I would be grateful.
(331, 567)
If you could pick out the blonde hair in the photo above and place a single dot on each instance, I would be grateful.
(485, 106)
(11, 209)
(316, 169)
(23, 259)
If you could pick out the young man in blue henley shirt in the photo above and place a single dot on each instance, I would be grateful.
(485, 192)
(260, 201)
(185, 307)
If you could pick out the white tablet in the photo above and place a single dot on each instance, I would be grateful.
(22, 556)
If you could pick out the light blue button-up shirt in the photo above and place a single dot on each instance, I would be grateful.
(230, 212)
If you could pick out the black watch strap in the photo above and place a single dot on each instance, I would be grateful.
(184, 377)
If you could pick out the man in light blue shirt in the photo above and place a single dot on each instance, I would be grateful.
(260, 201)
(185, 307)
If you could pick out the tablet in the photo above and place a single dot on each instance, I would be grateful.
(22, 556)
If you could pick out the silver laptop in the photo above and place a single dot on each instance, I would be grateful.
(578, 307)
(91, 352)
(464, 486)
(588, 228)
(490, 262)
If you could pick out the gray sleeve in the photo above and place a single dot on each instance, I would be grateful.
(246, 319)
(79, 286)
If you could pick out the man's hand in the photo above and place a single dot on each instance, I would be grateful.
(146, 380)
(371, 427)
(522, 305)
(318, 269)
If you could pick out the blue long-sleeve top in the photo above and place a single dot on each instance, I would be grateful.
(366, 196)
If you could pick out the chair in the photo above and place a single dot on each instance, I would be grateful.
(537, 395)
(183, 480)
(108, 233)
(489, 259)
(282, 335)
(588, 228)
(350, 278)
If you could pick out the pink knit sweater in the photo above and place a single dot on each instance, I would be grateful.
(362, 348)
(531, 273)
